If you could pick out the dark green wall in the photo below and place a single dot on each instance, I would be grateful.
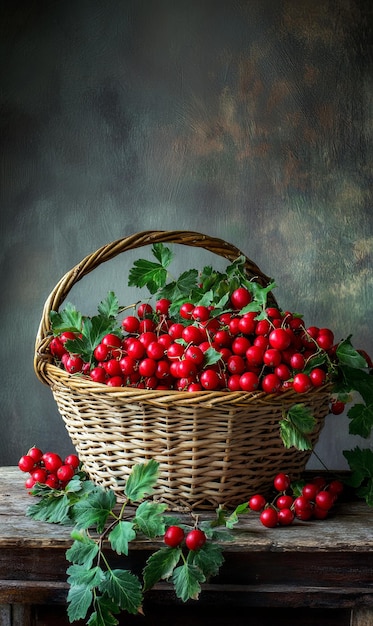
(248, 120)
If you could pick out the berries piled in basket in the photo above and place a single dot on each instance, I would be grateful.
(204, 331)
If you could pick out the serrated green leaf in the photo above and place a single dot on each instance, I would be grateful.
(160, 566)
(147, 274)
(209, 559)
(94, 329)
(347, 354)
(142, 480)
(68, 319)
(122, 533)
(187, 579)
(79, 600)
(103, 614)
(83, 550)
(124, 589)
(79, 575)
(211, 356)
(53, 508)
(361, 420)
(361, 479)
(297, 424)
(94, 511)
(109, 307)
(162, 253)
(149, 518)
(180, 289)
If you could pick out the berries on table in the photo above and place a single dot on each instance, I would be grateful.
(48, 468)
(312, 500)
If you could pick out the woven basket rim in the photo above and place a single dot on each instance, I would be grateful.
(215, 245)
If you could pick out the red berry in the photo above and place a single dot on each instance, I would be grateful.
(73, 460)
(279, 339)
(52, 461)
(26, 463)
(65, 473)
(39, 475)
(285, 517)
(301, 383)
(284, 501)
(257, 502)
(337, 407)
(174, 536)
(35, 453)
(324, 500)
(269, 517)
(240, 298)
(195, 539)
(309, 491)
(281, 482)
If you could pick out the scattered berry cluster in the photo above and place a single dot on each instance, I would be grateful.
(314, 501)
(198, 349)
(48, 468)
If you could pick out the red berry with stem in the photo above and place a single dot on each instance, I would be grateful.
(174, 536)
(257, 502)
(269, 517)
(26, 463)
(195, 539)
(281, 482)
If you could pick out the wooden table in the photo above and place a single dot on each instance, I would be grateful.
(305, 573)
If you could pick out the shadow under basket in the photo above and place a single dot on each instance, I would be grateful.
(213, 448)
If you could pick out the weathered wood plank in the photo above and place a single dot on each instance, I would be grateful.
(349, 529)
(5, 614)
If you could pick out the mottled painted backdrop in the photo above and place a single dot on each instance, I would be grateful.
(248, 120)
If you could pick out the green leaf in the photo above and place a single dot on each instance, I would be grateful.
(142, 480)
(162, 254)
(361, 465)
(297, 424)
(209, 559)
(160, 566)
(147, 274)
(186, 580)
(94, 329)
(211, 356)
(83, 551)
(347, 355)
(68, 319)
(80, 595)
(53, 508)
(180, 290)
(110, 306)
(94, 511)
(233, 519)
(81, 575)
(79, 600)
(122, 533)
(124, 589)
(149, 518)
(103, 614)
(361, 417)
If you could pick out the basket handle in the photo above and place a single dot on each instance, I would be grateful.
(111, 250)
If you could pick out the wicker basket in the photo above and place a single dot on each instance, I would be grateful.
(214, 448)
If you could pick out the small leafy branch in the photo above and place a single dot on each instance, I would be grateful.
(102, 526)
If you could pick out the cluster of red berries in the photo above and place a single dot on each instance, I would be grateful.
(314, 501)
(175, 537)
(151, 350)
(48, 468)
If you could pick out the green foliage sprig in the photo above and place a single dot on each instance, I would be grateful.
(97, 590)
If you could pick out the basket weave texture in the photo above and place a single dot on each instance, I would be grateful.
(214, 448)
